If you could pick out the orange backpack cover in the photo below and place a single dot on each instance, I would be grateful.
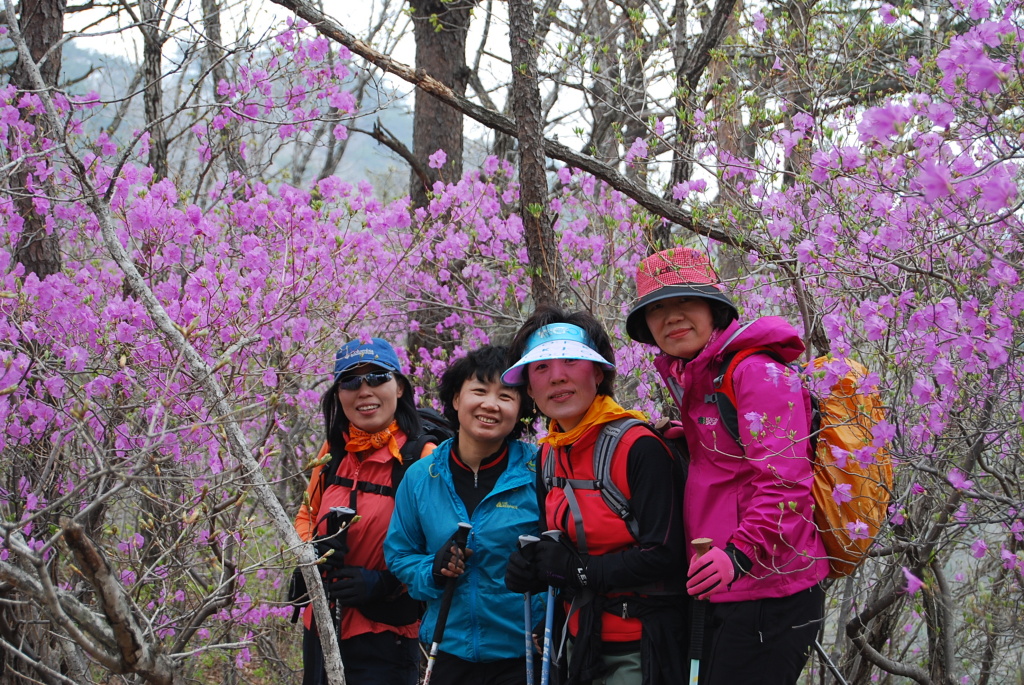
(851, 492)
(848, 414)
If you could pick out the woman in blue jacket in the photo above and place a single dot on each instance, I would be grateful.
(486, 477)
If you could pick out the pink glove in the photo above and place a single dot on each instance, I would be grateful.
(710, 573)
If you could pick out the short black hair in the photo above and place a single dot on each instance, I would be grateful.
(549, 314)
(485, 364)
(336, 423)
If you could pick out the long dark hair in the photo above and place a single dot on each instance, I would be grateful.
(547, 314)
(336, 423)
(486, 364)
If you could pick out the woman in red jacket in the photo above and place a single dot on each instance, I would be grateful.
(369, 416)
(619, 571)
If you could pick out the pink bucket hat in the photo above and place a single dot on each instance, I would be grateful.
(675, 272)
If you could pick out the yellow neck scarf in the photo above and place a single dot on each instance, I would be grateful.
(360, 441)
(602, 410)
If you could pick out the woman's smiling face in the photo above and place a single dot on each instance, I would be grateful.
(487, 412)
(564, 389)
(681, 326)
(371, 409)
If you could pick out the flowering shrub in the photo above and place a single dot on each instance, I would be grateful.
(898, 243)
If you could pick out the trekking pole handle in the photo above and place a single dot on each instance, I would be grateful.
(555, 534)
(461, 538)
(462, 535)
(525, 540)
(701, 545)
(338, 518)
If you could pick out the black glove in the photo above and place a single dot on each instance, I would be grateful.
(559, 564)
(443, 557)
(520, 573)
(335, 544)
(298, 595)
(355, 586)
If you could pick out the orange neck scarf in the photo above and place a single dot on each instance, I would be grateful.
(602, 410)
(360, 440)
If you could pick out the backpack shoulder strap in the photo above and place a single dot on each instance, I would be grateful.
(607, 442)
(604, 449)
(725, 390)
(546, 457)
(411, 453)
(329, 473)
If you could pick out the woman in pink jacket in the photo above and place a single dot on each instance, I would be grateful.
(752, 497)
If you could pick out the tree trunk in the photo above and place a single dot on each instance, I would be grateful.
(533, 192)
(42, 25)
(733, 137)
(602, 143)
(153, 97)
(215, 56)
(440, 31)
(799, 14)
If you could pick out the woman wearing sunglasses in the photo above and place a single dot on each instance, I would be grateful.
(373, 432)
(619, 571)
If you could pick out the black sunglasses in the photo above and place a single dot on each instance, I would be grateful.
(372, 379)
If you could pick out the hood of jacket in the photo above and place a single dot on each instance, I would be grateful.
(773, 332)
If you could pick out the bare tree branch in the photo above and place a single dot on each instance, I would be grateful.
(134, 652)
(174, 335)
(421, 79)
(383, 136)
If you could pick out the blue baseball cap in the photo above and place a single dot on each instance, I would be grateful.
(377, 351)
(554, 341)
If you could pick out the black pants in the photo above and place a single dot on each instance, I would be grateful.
(451, 670)
(369, 659)
(763, 641)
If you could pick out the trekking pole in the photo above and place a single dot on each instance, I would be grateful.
(525, 540)
(829, 663)
(701, 547)
(338, 520)
(549, 621)
(461, 537)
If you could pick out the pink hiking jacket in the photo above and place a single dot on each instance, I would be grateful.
(756, 496)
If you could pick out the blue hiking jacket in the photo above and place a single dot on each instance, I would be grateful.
(486, 620)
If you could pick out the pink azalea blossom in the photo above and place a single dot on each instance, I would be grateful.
(638, 150)
(438, 159)
(934, 180)
(858, 530)
(841, 493)
(959, 480)
(896, 516)
(913, 582)
(881, 123)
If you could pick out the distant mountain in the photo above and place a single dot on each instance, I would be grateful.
(85, 70)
